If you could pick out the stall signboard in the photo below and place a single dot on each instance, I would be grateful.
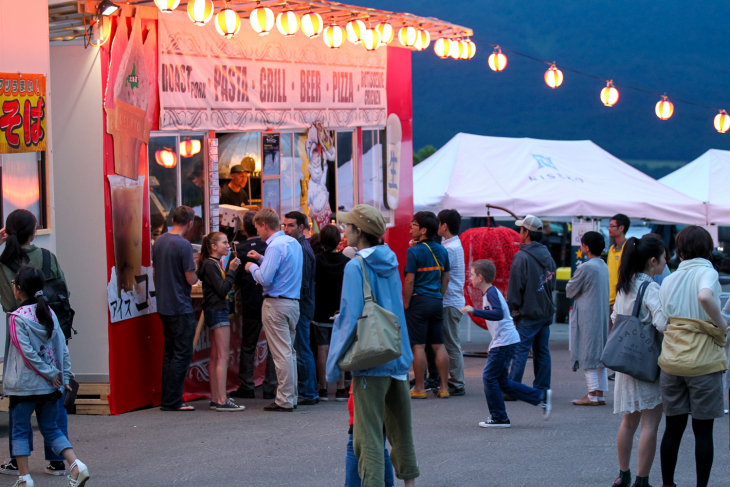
(22, 113)
(254, 83)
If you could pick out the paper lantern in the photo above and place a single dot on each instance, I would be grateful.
(355, 31)
(386, 33)
(312, 24)
(262, 20)
(553, 77)
(469, 49)
(457, 47)
(408, 35)
(441, 47)
(664, 108)
(188, 148)
(333, 36)
(371, 39)
(200, 11)
(497, 61)
(722, 122)
(166, 158)
(167, 6)
(227, 23)
(287, 22)
(609, 95)
(423, 39)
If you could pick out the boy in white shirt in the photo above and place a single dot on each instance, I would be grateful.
(501, 350)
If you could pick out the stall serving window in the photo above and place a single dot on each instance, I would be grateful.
(176, 177)
(373, 153)
(23, 185)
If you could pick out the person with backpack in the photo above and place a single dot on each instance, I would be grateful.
(637, 401)
(19, 233)
(37, 368)
(217, 283)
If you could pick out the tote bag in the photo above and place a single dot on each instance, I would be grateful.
(377, 340)
(633, 347)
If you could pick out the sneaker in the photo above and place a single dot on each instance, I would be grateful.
(10, 467)
(493, 423)
(547, 404)
(432, 384)
(243, 394)
(342, 395)
(456, 391)
(56, 468)
(323, 395)
(443, 394)
(418, 395)
(212, 406)
(426, 384)
(229, 406)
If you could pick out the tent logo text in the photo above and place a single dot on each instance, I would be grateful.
(544, 162)
(547, 163)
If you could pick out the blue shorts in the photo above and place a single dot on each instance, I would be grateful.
(215, 318)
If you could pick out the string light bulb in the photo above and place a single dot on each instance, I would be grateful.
(553, 77)
(441, 47)
(386, 33)
(312, 24)
(333, 36)
(422, 40)
(167, 6)
(408, 35)
(497, 61)
(262, 19)
(371, 39)
(355, 31)
(200, 11)
(609, 95)
(664, 108)
(227, 22)
(722, 122)
(287, 22)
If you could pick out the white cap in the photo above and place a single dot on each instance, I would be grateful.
(531, 223)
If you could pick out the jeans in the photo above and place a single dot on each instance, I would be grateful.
(61, 422)
(179, 332)
(534, 334)
(251, 330)
(306, 368)
(496, 381)
(46, 412)
(352, 476)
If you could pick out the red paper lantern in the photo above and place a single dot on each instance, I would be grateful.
(166, 158)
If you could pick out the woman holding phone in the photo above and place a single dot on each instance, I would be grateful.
(216, 285)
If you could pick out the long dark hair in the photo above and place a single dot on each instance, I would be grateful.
(636, 253)
(19, 227)
(206, 248)
(30, 281)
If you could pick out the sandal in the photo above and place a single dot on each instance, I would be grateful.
(24, 481)
(83, 477)
(183, 407)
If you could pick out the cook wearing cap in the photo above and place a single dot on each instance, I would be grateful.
(364, 217)
(234, 193)
(531, 223)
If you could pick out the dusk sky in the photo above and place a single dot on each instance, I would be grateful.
(676, 47)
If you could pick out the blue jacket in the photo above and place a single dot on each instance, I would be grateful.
(382, 269)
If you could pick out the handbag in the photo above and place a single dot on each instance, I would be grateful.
(633, 347)
(377, 339)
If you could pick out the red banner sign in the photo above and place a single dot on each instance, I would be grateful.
(22, 112)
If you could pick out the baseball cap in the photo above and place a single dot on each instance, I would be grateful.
(237, 169)
(531, 223)
(364, 217)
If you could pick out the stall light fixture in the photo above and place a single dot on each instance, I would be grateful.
(167, 6)
(386, 33)
(312, 24)
(200, 11)
(166, 158)
(107, 7)
(287, 22)
(188, 148)
(609, 95)
(441, 47)
(664, 108)
(371, 39)
(333, 36)
(423, 39)
(722, 122)
(262, 19)
(355, 31)
(497, 61)
(553, 77)
(227, 22)
(408, 35)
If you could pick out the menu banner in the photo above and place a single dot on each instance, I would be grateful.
(22, 112)
(253, 82)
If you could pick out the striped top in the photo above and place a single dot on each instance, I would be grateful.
(457, 276)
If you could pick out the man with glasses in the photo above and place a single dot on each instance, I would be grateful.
(617, 229)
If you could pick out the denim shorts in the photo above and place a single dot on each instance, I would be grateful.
(215, 318)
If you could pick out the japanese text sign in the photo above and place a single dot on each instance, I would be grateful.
(22, 112)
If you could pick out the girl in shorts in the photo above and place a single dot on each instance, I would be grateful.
(217, 283)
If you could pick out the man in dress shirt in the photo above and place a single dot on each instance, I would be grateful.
(280, 274)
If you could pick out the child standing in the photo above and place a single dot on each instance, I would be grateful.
(501, 350)
(37, 369)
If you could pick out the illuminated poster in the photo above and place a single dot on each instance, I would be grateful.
(22, 113)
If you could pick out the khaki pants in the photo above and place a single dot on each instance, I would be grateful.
(452, 317)
(280, 318)
(383, 401)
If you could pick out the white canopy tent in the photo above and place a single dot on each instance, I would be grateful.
(552, 179)
(706, 179)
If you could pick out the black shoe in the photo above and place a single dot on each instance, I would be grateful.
(507, 397)
(432, 384)
(492, 423)
(612, 376)
(307, 402)
(269, 396)
(275, 407)
(619, 483)
(243, 394)
(323, 395)
(426, 384)
(56, 468)
(456, 391)
(229, 405)
(10, 467)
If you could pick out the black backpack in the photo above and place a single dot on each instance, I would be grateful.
(56, 293)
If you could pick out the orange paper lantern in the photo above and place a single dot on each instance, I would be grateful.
(166, 158)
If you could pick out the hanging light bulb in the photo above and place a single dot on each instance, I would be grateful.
(553, 77)
(664, 108)
(333, 36)
(408, 35)
(167, 6)
(262, 19)
(468, 50)
(355, 31)
(166, 158)
(423, 40)
(371, 39)
(287, 22)
(609, 95)
(188, 148)
(200, 11)
(722, 122)
(386, 33)
(497, 61)
(312, 24)
(456, 48)
(441, 47)
(227, 22)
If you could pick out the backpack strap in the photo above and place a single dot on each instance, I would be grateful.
(366, 289)
(46, 263)
(640, 298)
(438, 264)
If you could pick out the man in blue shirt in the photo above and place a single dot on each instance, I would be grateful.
(279, 273)
(427, 277)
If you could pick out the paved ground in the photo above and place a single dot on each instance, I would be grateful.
(306, 448)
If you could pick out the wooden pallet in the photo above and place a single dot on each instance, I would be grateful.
(92, 398)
